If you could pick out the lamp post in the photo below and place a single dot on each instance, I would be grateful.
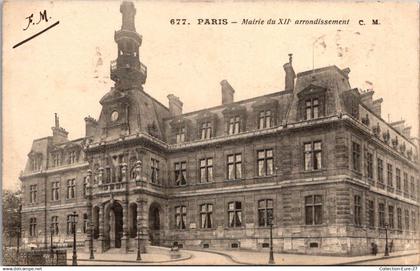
(138, 246)
(91, 257)
(271, 258)
(51, 238)
(74, 217)
(386, 240)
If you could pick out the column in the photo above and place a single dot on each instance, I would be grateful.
(89, 209)
(142, 228)
(124, 239)
(101, 239)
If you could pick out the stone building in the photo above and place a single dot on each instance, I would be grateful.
(315, 160)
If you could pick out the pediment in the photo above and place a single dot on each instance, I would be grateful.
(311, 90)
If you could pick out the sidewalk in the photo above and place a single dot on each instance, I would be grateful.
(261, 258)
(107, 258)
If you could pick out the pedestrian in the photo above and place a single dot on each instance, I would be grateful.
(374, 248)
(391, 246)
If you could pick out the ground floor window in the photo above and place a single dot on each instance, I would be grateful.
(32, 226)
(313, 210)
(265, 212)
(180, 217)
(206, 216)
(235, 214)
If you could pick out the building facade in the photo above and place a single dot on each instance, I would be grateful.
(315, 160)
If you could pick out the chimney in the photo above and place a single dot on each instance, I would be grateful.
(290, 75)
(227, 92)
(398, 125)
(175, 105)
(376, 106)
(59, 133)
(91, 125)
(407, 132)
(366, 98)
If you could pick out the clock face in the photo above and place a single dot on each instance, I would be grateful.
(114, 116)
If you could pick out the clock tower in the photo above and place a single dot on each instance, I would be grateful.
(127, 71)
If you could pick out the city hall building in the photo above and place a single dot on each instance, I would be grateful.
(314, 160)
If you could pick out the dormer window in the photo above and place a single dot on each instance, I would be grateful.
(234, 125)
(265, 119)
(72, 157)
(312, 100)
(312, 108)
(56, 159)
(35, 162)
(180, 134)
(206, 130)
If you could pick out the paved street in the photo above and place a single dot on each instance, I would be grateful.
(407, 260)
(229, 257)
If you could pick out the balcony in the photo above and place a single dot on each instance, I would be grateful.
(139, 67)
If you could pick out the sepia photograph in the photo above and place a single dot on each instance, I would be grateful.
(210, 133)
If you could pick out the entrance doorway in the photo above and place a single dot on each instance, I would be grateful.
(154, 224)
(114, 225)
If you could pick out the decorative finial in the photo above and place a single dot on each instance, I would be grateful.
(290, 58)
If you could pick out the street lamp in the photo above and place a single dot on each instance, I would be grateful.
(138, 246)
(74, 217)
(91, 257)
(271, 258)
(386, 240)
(51, 238)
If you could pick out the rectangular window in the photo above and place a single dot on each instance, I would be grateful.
(312, 109)
(264, 119)
(180, 135)
(56, 159)
(85, 223)
(206, 216)
(206, 170)
(371, 213)
(32, 226)
(413, 220)
(85, 186)
(180, 217)
(380, 171)
(313, 210)
(265, 212)
(391, 216)
(381, 212)
(313, 155)
(55, 191)
(398, 178)
(71, 188)
(205, 130)
(265, 162)
(72, 157)
(407, 220)
(180, 173)
(32, 193)
(399, 219)
(357, 210)
(369, 162)
(54, 225)
(154, 166)
(356, 156)
(412, 187)
(234, 125)
(405, 182)
(234, 166)
(69, 224)
(389, 175)
(235, 214)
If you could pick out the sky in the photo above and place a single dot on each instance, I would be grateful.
(60, 71)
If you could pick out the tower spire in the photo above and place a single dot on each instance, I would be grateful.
(127, 71)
